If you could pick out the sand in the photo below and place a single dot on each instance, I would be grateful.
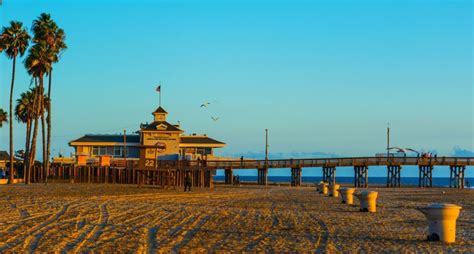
(124, 218)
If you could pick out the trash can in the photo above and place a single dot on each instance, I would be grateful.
(333, 190)
(323, 188)
(318, 186)
(441, 221)
(368, 201)
(347, 195)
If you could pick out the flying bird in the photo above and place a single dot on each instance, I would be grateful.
(205, 104)
(214, 118)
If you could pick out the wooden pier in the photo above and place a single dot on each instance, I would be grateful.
(172, 173)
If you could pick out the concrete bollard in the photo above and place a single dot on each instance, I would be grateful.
(368, 201)
(333, 190)
(441, 221)
(347, 195)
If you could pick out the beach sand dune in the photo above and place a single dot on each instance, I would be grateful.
(119, 218)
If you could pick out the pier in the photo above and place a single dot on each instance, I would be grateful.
(171, 173)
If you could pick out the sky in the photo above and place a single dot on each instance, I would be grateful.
(325, 77)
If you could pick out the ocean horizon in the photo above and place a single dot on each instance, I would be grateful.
(405, 181)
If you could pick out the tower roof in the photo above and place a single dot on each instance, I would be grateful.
(160, 126)
(160, 110)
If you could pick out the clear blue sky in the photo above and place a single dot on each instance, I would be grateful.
(323, 76)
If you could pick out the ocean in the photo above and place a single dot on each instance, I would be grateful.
(405, 181)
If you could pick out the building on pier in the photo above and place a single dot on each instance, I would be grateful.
(4, 159)
(158, 140)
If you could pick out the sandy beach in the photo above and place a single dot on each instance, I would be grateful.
(81, 217)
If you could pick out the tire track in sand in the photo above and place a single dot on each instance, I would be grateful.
(323, 236)
(14, 241)
(149, 243)
(32, 242)
(189, 235)
(90, 234)
(184, 232)
(20, 223)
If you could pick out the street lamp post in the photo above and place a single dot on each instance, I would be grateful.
(266, 148)
(388, 140)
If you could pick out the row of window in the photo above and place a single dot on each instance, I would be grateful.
(117, 151)
(104, 150)
(198, 150)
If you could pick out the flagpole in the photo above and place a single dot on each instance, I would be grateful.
(160, 93)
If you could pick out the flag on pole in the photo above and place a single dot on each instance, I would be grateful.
(158, 88)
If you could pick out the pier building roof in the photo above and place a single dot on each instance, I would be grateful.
(92, 138)
(160, 126)
(192, 140)
(89, 138)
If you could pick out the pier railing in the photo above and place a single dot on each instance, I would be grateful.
(334, 162)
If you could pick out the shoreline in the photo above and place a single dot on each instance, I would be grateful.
(309, 185)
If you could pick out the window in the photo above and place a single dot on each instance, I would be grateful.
(99, 150)
(204, 151)
(118, 151)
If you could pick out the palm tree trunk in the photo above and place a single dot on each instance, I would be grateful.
(43, 137)
(31, 116)
(26, 172)
(35, 130)
(33, 147)
(12, 167)
(48, 119)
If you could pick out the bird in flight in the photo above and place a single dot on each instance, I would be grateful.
(214, 118)
(205, 104)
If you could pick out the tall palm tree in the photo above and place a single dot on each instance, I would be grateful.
(46, 30)
(15, 40)
(25, 113)
(38, 63)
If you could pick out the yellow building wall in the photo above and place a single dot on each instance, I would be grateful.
(160, 143)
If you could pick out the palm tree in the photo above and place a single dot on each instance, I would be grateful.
(38, 63)
(3, 117)
(46, 30)
(14, 42)
(25, 113)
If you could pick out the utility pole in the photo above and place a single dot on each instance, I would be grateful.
(125, 147)
(266, 147)
(388, 140)
(159, 83)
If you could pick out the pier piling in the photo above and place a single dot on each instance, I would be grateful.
(393, 175)
(296, 177)
(229, 176)
(456, 176)
(329, 174)
(425, 176)
(361, 177)
(262, 176)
